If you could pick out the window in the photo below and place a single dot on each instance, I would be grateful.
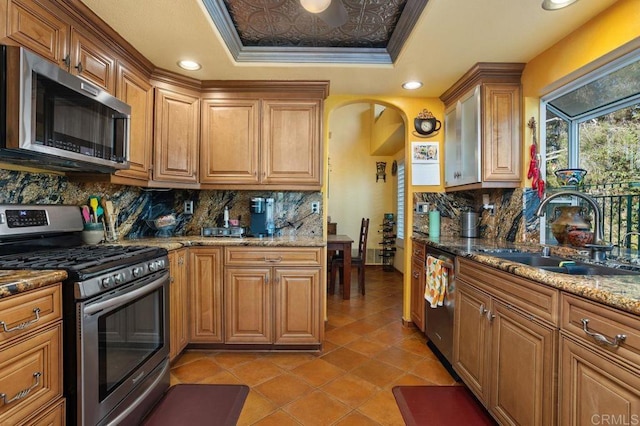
(593, 123)
(401, 203)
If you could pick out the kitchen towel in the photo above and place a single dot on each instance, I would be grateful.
(437, 281)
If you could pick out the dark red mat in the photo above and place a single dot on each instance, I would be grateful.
(440, 405)
(199, 405)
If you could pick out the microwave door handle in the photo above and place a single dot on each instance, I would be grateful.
(94, 91)
(125, 298)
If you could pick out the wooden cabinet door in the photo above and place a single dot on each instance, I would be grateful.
(36, 28)
(92, 61)
(417, 293)
(523, 365)
(470, 335)
(297, 306)
(205, 276)
(230, 142)
(501, 133)
(291, 142)
(177, 118)
(596, 389)
(179, 316)
(248, 304)
(136, 91)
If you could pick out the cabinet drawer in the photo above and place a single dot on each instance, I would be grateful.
(290, 256)
(419, 252)
(30, 372)
(54, 416)
(604, 321)
(29, 311)
(529, 296)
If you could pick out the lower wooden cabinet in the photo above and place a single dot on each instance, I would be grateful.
(272, 296)
(599, 381)
(31, 357)
(418, 279)
(178, 302)
(506, 356)
(205, 287)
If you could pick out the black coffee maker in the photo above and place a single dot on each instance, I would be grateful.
(262, 224)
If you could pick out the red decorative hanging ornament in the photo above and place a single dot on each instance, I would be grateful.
(537, 183)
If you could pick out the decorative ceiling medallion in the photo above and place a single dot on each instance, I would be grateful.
(283, 31)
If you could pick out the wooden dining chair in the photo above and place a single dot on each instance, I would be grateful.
(337, 263)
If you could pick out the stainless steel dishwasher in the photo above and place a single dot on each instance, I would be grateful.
(439, 320)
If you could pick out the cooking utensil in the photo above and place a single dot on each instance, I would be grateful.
(86, 213)
(537, 182)
(93, 203)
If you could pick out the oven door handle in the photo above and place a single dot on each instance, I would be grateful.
(125, 298)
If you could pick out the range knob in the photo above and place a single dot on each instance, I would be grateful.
(137, 271)
(153, 266)
(107, 282)
(119, 278)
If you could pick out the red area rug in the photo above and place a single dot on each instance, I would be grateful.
(440, 405)
(199, 405)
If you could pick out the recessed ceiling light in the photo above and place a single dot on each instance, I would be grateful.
(315, 6)
(189, 65)
(412, 85)
(556, 4)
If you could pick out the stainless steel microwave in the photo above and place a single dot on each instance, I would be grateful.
(52, 119)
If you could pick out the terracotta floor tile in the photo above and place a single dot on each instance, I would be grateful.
(255, 407)
(361, 327)
(222, 378)
(416, 345)
(383, 409)
(341, 337)
(188, 356)
(377, 373)
(195, 371)
(317, 408)
(344, 358)
(409, 380)
(253, 373)
(317, 372)
(279, 418)
(289, 360)
(366, 346)
(399, 358)
(284, 389)
(350, 389)
(356, 419)
(232, 359)
(433, 371)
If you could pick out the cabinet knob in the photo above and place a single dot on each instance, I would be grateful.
(67, 61)
(79, 67)
(482, 310)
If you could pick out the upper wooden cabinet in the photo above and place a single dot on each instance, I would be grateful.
(92, 60)
(136, 91)
(176, 135)
(262, 133)
(483, 123)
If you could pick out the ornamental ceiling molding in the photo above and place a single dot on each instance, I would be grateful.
(283, 32)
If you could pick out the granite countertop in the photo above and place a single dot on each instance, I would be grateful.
(619, 291)
(14, 282)
(174, 243)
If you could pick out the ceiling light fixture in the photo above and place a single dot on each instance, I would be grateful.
(315, 6)
(189, 65)
(332, 12)
(556, 4)
(412, 85)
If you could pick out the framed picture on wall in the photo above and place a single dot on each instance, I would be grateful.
(425, 152)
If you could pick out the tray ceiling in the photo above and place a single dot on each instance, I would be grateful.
(283, 31)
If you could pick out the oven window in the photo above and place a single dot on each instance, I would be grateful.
(129, 336)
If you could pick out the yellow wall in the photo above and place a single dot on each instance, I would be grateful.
(613, 28)
(409, 109)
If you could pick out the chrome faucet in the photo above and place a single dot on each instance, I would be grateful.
(598, 248)
(623, 240)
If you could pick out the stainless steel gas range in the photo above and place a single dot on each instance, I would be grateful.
(115, 302)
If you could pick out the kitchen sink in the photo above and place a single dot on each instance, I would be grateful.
(562, 265)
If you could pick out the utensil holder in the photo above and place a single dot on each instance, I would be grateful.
(93, 233)
(111, 229)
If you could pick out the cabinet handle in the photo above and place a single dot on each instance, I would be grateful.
(482, 310)
(23, 393)
(416, 275)
(273, 260)
(490, 316)
(22, 325)
(79, 67)
(67, 61)
(600, 338)
(181, 261)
